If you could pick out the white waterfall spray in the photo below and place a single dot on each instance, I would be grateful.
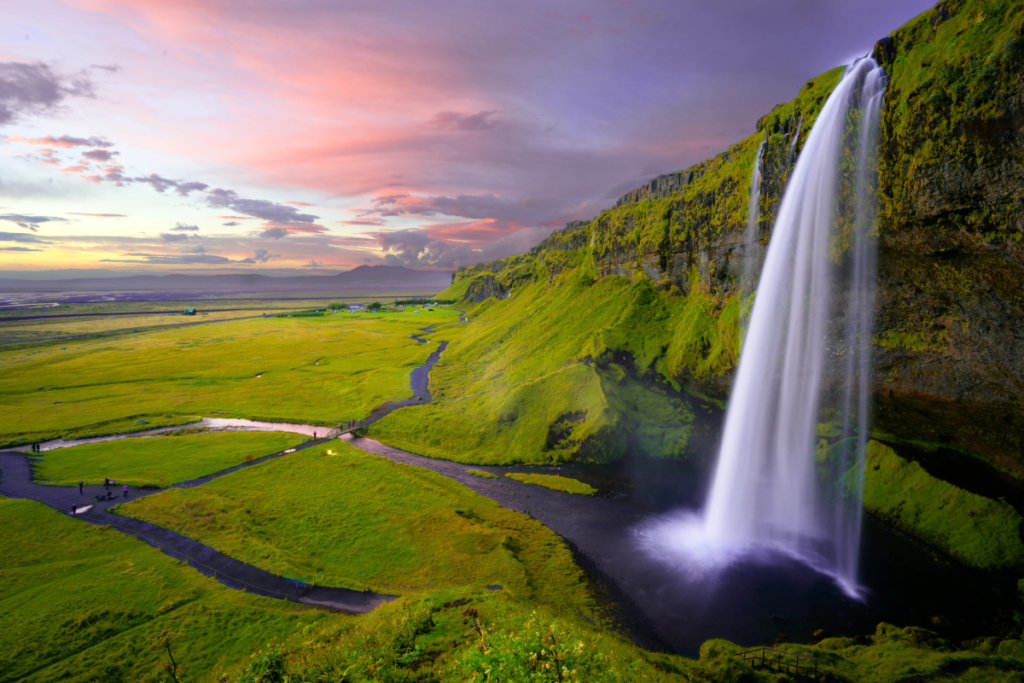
(769, 490)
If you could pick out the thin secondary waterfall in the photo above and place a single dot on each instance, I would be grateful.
(769, 489)
(753, 220)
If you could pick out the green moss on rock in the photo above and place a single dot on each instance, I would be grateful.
(976, 530)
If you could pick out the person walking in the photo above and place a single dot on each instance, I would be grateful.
(80, 485)
(74, 510)
(314, 435)
(106, 483)
(125, 489)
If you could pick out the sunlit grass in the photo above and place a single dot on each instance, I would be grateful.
(361, 521)
(157, 460)
(310, 370)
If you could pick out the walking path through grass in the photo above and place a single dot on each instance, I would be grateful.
(17, 482)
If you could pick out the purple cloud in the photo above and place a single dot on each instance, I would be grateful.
(31, 222)
(28, 88)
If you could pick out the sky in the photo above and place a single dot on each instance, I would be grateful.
(314, 136)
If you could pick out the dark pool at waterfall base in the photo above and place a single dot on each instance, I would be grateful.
(775, 597)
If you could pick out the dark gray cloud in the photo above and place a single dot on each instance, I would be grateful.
(160, 184)
(528, 209)
(29, 88)
(31, 222)
(64, 141)
(274, 233)
(18, 249)
(169, 237)
(261, 256)
(180, 227)
(231, 224)
(453, 120)
(99, 154)
(20, 237)
(313, 264)
(271, 212)
(417, 249)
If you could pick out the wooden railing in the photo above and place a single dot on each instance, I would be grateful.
(803, 665)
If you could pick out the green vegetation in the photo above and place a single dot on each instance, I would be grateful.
(467, 635)
(358, 520)
(949, 111)
(551, 372)
(476, 635)
(481, 473)
(158, 460)
(975, 530)
(894, 654)
(554, 481)
(312, 370)
(80, 603)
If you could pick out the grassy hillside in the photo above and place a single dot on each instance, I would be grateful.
(552, 373)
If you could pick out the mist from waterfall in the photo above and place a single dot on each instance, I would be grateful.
(806, 357)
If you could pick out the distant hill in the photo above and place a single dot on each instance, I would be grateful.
(363, 277)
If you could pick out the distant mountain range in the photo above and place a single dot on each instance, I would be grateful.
(363, 277)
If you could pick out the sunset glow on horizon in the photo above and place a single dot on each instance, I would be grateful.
(286, 137)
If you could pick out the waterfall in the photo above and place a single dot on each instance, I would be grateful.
(752, 235)
(768, 487)
(792, 143)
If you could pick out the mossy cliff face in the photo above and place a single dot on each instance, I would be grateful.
(950, 323)
(949, 342)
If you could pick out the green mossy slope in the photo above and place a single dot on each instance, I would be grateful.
(977, 531)
(552, 372)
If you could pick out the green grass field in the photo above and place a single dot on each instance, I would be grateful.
(158, 460)
(34, 329)
(554, 481)
(80, 603)
(314, 370)
(361, 521)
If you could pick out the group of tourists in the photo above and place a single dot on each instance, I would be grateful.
(36, 448)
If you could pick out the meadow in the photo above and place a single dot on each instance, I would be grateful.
(43, 329)
(316, 370)
(80, 603)
(157, 460)
(335, 515)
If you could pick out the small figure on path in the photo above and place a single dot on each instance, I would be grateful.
(314, 435)
(125, 489)
(80, 485)
(106, 483)
(74, 510)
